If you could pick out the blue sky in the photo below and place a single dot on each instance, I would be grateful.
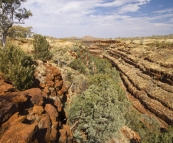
(100, 18)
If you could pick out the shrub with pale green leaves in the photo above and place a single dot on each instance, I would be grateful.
(17, 67)
(76, 64)
(97, 114)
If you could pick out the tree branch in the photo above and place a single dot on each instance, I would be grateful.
(74, 124)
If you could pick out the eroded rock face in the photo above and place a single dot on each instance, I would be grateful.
(16, 131)
(5, 87)
(50, 79)
(37, 114)
(10, 103)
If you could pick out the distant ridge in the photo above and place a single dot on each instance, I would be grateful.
(89, 38)
(73, 37)
(85, 38)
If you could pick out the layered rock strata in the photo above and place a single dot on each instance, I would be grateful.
(147, 74)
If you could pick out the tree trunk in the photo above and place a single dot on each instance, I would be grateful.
(3, 40)
(3, 35)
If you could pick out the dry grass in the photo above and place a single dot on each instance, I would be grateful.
(24, 44)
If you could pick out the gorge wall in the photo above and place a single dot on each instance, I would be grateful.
(147, 75)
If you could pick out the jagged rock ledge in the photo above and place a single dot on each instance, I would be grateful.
(37, 114)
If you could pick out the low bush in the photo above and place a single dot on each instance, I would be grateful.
(76, 64)
(17, 67)
(97, 114)
(148, 128)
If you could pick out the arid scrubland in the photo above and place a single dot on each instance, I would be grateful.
(89, 90)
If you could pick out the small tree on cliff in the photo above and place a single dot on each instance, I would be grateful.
(10, 13)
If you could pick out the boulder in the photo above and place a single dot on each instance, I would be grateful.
(14, 130)
(38, 110)
(36, 95)
(52, 112)
(10, 103)
(65, 135)
(44, 129)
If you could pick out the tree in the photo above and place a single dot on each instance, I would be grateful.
(10, 13)
(41, 46)
(17, 31)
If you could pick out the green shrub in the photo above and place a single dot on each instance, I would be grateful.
(102, 65)
(89, 64)
(96, 115)
(41, 46)
(148, 128)
(17, 67)
(76, 64)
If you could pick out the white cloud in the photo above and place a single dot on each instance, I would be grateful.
(161, 17)
(118, 3)
(63, 18)
(162, 24)
(85, 6)
(168, 10)
(129, 8)
(132, 7)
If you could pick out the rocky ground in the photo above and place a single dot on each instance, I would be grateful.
(37, 114)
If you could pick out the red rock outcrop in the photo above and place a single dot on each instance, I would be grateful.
(10, 102)
(37, 114)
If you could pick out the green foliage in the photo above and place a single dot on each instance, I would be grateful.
(20, 32)
(166, 136)
(97, 112)
(69, 76)
(102, 65)
(41, 46)
(76, 64)
(61, 54)
(10, 13)
(102, 109)
(89, 64)
(17, 67)
(150, 133)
